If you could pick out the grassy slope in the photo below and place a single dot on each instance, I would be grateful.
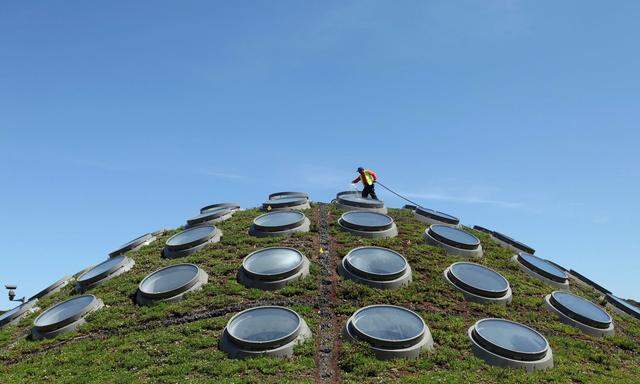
(171, 342)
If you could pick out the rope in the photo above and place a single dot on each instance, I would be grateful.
(397, 194)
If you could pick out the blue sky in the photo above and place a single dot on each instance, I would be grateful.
(119, 118)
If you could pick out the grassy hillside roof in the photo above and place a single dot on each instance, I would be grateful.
(178, 342)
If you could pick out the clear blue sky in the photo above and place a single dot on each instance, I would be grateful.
(119, 118)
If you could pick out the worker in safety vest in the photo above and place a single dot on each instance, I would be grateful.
(368, 178)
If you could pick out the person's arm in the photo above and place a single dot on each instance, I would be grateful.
(356, 180)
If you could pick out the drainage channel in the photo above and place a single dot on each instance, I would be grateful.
(327, 336)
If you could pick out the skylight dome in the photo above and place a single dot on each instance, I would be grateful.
(580, 313)
(454, 241)
(391, 331)
(586, 282)
(352, 201)
(232, 206)
(13, 316)
(134, 244)
(280, 223)
(170, 283)
(268, 330)
(510, 243)
(279, 195)
(104, 271)
(478, 283)
(483, 229)
(429, 216)
(65, 317)
(191, 240)
(281, 203)
(622, 306)
(509, 344)
(53, 288)
(542, 270)
(273, 268)
(377, 267)
(211, 216)
(368, 224)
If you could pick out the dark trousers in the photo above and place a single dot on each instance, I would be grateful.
(368, 190)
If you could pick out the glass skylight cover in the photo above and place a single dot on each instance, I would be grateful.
(366, 221)
(131, 244)
(220, 206)
(513, 242)
(65, 312)
(191, 237)
(453, 236)
(623, 305)
(264, 327)
(170, 281)
(279, 221)
(588, 281)
(483, 229)
(357, 200)
(281, 202)
(102, 270)
(375, 263)
(209, 215)
(478, 279)
(273, 263)
(15, 312)
(510, 339)
(387, 326)
(581, 310)
(279, 195)
(440, 216)
(542, 267)
(50, 288)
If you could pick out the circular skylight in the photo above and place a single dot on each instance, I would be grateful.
(453, 236)
(510, 339)
(375, 263)
(170, 281)
(623, 305)
(14, 314)
(366, 221)
(285, 202)
(483, 229)
(580, 310)
(478, 279)
(63, 316)
(278, 221)
(506, 240)
(51, 289)
(133, 244)
(279, 195)
(191, 238)
(262, 328)
(214, 214)
(356, 200)
(542, 267)
(104, 270)
(587, 281)
(272, 263)
(212, 207)
(431, 215)
(410, 207)
(387, 326)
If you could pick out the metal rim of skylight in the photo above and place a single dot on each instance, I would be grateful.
(133, 244)
(558, 278)
(360, 202)
(272, 277)
(432, 231)
(345, 222)
(199, 276)
(45, 327)
(277, 195)
(511, 242)
(231, 206)
(382, 277)
(124, 264)
(210, 216)
(618, 304)
(459, 283)
(436, 216)
(589, 325)
(285, 202)
(582, 278)
(52, 288)
(267, 228)
(268, 344)
(16, 313)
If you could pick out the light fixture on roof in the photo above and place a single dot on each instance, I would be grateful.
(430, 216)
(508, 344)
(542, 270)
(65, 317)
(353, 201)
(392, 332)
(280, 223)
(510, 243)
(273, 268)
(190, 241)
(368, 224)
(134, 244)
(170, 283)
(377, 267)
(454, 241)
(105, 271)
(478, 283)
(264, 331)
(580, 313)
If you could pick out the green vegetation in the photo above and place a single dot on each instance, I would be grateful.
(178, 342)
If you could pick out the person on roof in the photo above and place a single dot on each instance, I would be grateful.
(368, 178)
